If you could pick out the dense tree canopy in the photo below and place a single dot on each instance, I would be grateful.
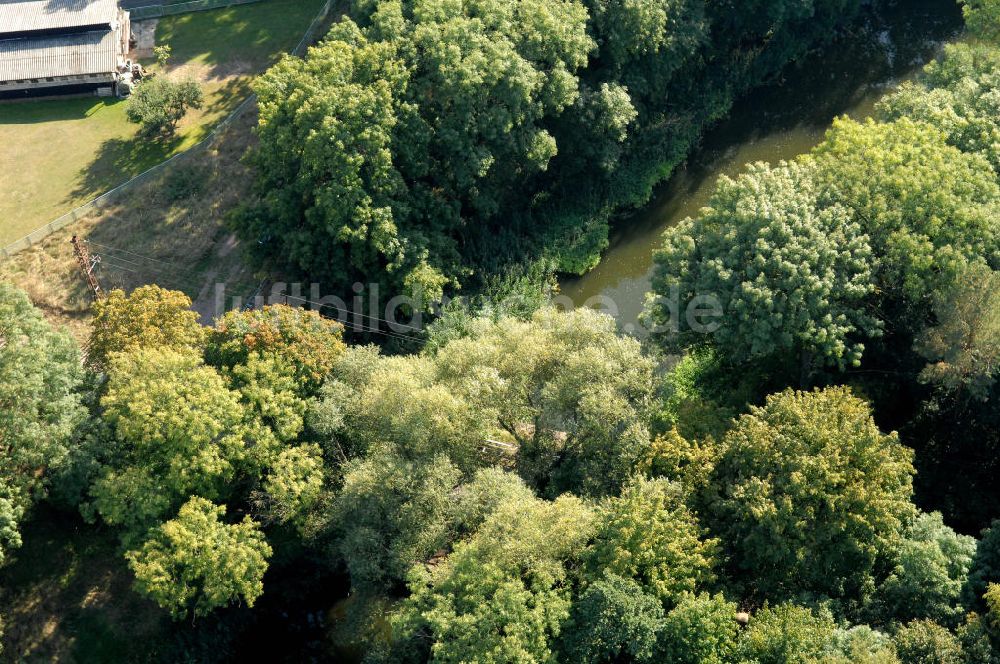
(41, 386)
(812, 496)
(426, 140)
(196, 562)
(533, 486)
(791, 276)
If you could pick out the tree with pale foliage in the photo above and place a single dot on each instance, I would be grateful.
(963, 347)
(811, 497)
(926, 642)
(391, 514)
(565, 390)
(148, 317)
(571, 393)
(502, 595)
(196, 562)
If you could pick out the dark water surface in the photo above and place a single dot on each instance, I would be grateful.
(777, 122)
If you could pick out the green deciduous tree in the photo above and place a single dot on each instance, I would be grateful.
(786, 634)
(613, 620)
(503, 595)
(982, 18)
(569, 394)
(41, 384)
(158, 104)
(926, 206)
(196, 563)
(270, 395)
(701, 629)
(957, 95)
(985, 568)
(475, 501)
(147, 317)
(401, 401)
(648, 535)
(925, 642)
(378, 146)
(790, 274)
(812, 496)
(178, 431)
(860, 645)
(931, 569)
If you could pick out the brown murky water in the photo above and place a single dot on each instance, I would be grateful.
(773, 123)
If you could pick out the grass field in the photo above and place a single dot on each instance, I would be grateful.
(57, 154)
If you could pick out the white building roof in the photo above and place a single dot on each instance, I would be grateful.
(19, 16)
(69, 55)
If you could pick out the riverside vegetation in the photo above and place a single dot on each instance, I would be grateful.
(813, 482)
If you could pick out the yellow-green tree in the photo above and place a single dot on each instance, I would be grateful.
(178, 431)
(147, 317)
(196, 562)
(648, 535)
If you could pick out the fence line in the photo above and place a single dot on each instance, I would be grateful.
(158, 11)
(104, 199)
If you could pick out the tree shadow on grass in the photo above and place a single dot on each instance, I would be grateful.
(240, 39)
(30, 111)
(67, 595)
(118, 160)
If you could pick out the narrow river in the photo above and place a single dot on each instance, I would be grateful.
(777, 122)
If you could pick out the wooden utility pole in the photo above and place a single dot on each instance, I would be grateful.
(87, 264)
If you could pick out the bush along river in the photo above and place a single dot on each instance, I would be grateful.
(773, 123)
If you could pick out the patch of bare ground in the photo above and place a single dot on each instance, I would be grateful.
(144, 33)
(169, 230)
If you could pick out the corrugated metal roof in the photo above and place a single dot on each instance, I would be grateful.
(89, 53)
(30, 15)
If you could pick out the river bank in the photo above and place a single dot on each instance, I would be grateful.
(774, 123)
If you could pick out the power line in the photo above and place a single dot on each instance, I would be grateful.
(112, 261)
(363, 315)
(138, 255)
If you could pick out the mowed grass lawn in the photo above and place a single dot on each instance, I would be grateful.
(58, 154)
